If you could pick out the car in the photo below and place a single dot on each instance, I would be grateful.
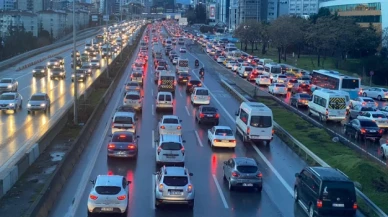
(220, 59)
(230, 64)
(252, 75)
(87, 68)
(183, 77)
(164, 100)
(132, 86)
(300, 99)
(277, 88)
(207, 114)
(61, 60)
(57, 73)
(325, 191)
(243, 71)
(170, 124)
(384, 151)
(173, 186)
(300, 88)
(8, 85)
(123, 144)
(263, 80)
(242, 172)
(170, 150)
(53, 63)
(279, 79)
(378, 117)
(109, 194)
(95, 64)
(364, 101)
(221, 136)
(376, 92)
(137, 65)
(39, 71)
(11, 101)
(182, 50)
(138, 77)
(200, 96)
(80, 75)
(191, 84)
(304, 80)
(39, 102)
(363, 129)
(175, 60)
(384, 110)
(124, 121)
(357, 110)
(290, 83)
(133, 99)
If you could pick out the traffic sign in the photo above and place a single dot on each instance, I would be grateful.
(371, 73)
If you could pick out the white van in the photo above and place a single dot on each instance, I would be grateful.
(200, 96)
(167, 81)
(328, 105)
(164, 100)
(124, 121)
(272, 69)
(265, 61)
(254, 121)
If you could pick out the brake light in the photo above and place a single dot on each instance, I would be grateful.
(319, 204)
(189, 84)
(201, 115)
(260, 175)
(131, 147)
(93, 197)
(189, 188)
(381, 131)
(160, 187)
(234, 174)
(122, 136)
(273, 132)
(174, 82)
(159, 150)
(376, 104)
(180, 76)
(355, 206)
(363, 131)
(178, 127)
(217, 115)
(111, 146)
(162, 127)
(363, 103)
(122, 197)
(195, 97)
(183, 150)
(327, 112)
(248, 130)
(208, 97)
(159, 82)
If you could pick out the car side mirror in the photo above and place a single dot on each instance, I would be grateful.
(93, 182)
(129, 182)
(191, 174)
(236, 113)
(297, 175)
(184, 141)
(225, 162)
(156, 140)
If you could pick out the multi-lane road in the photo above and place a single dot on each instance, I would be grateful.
(277, 163)
(19, 130)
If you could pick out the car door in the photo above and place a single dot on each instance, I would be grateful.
(228, 167)
(355, 126)
(210, 133)
(304, 187)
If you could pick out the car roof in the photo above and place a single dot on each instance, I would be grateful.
(7, 79)
(329, 174)
(170, 116)
(375, 112)
(222, 128)
(109, 180)
(38, 94)
(245, 161)
(175, 171)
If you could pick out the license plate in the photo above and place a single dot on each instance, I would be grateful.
(209, 115)
(175, 192)
(170, 156)
(247, 184)
(121, 152)
(255, 137)
(184, 79)
(338, 205)
(107, 209)
(224, 140)
(373, 131)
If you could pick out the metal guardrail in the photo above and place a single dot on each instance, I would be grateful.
(309, 153)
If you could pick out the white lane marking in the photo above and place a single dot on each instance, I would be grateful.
(220, 192)
(153, 138)
(198, 138)
(152, 93)
(153, 192)
(180, 94)
(277, 174)
(153, 110)
(187, 110)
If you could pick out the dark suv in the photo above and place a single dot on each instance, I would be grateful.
(325, 191)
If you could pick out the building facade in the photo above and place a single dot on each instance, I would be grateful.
(251, 10)
(277, 8)
(81, 19)
(304, 7)
(365, 12)
(33, 5)
(7, 5)
(12, 20)
(233, 11)
(54, 21)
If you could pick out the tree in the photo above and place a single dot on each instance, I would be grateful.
(247, 32)
(263, 35)
(322, 12)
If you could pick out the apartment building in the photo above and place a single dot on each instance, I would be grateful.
(81, 19)
(11, 20)
(54, 21)
(251, 10)
(7, 5)
(33, 5)
(303, 7)
(277, 8)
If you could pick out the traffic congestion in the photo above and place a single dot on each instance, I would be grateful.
(172, 142)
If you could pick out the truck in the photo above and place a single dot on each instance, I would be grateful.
(183, 21)
(182, 65)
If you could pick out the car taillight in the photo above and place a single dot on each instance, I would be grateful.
(159, 150)
(327, 112)
(189, 188)
(217, 115)
(174, 82)
(159, 82)
(201, 115)
(180, 76)
(208, 97)
(131, 147)
(260, 175)
(355, 206)
(111, 146)
(160, 187)
(364, 103)
(248, 130)
(189, 84)
(381, 131)
(183, 150)
(234, 174)
(162, 127)
(319, 204)
(363, 131)
(178, 127)
(376, 104)
(93, 197)
(122, 197)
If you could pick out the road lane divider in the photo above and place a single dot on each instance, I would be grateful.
(283, 133)
(220, 191)
(47, 198)
(187, 110)
(198, 138)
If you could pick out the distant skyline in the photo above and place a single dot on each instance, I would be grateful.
(186, 2)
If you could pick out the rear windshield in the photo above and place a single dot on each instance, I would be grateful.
(368, 124)
(175, 181)
(171, 146)
(167, 78)
(367, 109)
(264, 77)
(137, 75)
(162, 63)
(138, 65)
(202, 92)
(368, 100)
(37, 98)
(224, 132)
(170, 121)
(107, 190)
(209, 109)
(293, 81)
(247, 169)
(280, 85)
(304, 96)
(132, 96)
(122, 138)
(334, 190)
(194, 82)
(261, 121)
(378, 116)
(132, 84)
(123, 120)
(160, 68)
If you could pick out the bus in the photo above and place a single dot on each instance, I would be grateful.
(334, 80)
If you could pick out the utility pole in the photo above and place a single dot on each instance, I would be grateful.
(107, 39)
(74, 69)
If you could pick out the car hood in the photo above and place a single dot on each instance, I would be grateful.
(5, 84)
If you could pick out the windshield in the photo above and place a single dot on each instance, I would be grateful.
(122, 138)
(350, 83)
(368, 100)
(37, 98)
(224, 132)
(7, 97)
(170, 121)
(175, 181)
(123, 120)
(5, 81)
(202, 92)
(261, 121)
(368, 124)
(378, 116)
(248, 69)
(173, 146)
(247, 169)
(276, 70)
(107, 190)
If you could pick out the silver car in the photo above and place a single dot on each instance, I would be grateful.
(137, 77)
(170, 150)
(133, 99)
(243, 172)
(123, 144)
(11, 101)
(109, 195)
(132, 86)
(95, 64)
(173, 186)
(38, 102)
(8, 85)
(57, 73)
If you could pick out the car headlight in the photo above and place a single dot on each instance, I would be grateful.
(42, 70)
(43, 105)
(33, 71)
(28, 105)
(51, 73)
(11, 104)
(9, 85)
(61, 73)
(72, 75)
(82, 75)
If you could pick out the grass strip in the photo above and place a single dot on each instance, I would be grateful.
(372, 177)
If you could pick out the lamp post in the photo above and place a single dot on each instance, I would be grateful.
(107, 39)
(74, 69)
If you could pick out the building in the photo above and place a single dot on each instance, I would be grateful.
(107, 3)
(303, 7)
(81, 18)
(223, 11)
(365, 12)
(147, 6)
(251, 10)
(277, 8)
(11, 20)
(54, 21)
(163, 6)
(233, 9)
(7, 5)
(33, 5)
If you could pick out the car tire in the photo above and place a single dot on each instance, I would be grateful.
(21, 105)
(364, 94)
(191, 206)
(125, 213)
(296, 195)
(157, 204)
(259, 189)
(216, 123)
(230, 186)
(90, 214)
(379, 98)
(311, 211)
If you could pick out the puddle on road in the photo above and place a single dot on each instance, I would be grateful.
(57, 156)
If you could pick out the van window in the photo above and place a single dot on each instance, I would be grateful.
(244, 116)
(202, 92)
(320, 101)
(276, 70)
(332, 190)
(168, 97)
(261, 121)
(161, 97)
(123, 120)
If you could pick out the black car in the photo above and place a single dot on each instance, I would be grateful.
(190, 85)
(57, 73)
(300, 99)
(207, 114)
(363, 129)
(183, 77)
(39, 71)
(325, 191)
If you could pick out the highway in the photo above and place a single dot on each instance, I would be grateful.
(277, 163)
(19, 130)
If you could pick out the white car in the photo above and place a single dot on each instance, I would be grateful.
(277, 89)
(263, 80)
(279, 79)
(384, 151)
(175, 60)
(243, 71)
(109, 195)
(182, 50)
(384, 110)
(8, 85)
(133, 99)
(230, 64)
(304, 80)
(377, 93)
(170, 124)
(221, 136)
(220, 59)
(200, 96)
(364, 102)
(378, 117)
(11, 101)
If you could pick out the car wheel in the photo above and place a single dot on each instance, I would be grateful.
(21, 105)
(157, 204)
(379, 98)
(125, 213)
(90, 214)
(216, 123)
(364, 94)
(199, 121)
(191, 206)
(311, 210)
(296, 196)
(230, 186)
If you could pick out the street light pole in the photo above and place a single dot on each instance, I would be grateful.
(74, 69)
(107, 39)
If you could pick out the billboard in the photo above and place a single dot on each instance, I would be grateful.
(212, 12)
(94, 18)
